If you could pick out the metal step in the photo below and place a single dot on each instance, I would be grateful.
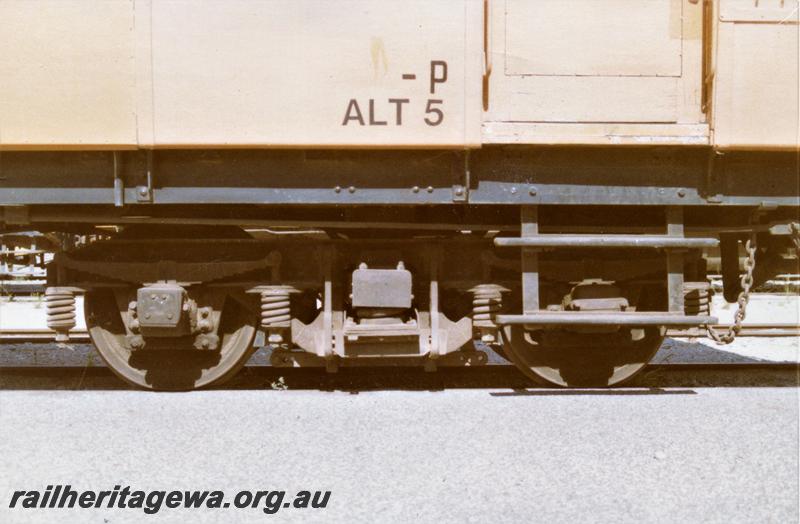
(575, 318)
(629, 241)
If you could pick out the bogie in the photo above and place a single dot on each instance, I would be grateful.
(182, 313)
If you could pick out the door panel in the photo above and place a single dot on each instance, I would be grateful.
(591, 38)
(561, 68)
(757, 85)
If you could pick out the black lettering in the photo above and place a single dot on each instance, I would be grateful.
(54, 498)
(100, 497)
(273, 502)
(46, 496)
(429, 109)
(398, 102)
(316, 503)
(239, 503)
(215, 499)
(70, 494)
(14, 497)
(113, 498)
(137, 499)
(259, 495)
(154, 501)
(86, 499)
(353, 106)
(48, 490)
(301, 500)
(173, 499)
(372, 120)
(123, 495)
(194, 499)
(441, 78)
(31, 499)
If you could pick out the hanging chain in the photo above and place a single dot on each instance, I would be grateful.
(744, 296)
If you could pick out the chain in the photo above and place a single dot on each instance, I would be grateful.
(744, 296)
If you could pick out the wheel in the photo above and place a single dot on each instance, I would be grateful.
(175, 365)
(570, 359)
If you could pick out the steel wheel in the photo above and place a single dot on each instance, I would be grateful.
(581, 359)
(179, 369)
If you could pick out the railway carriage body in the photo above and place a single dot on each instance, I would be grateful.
(386, 181)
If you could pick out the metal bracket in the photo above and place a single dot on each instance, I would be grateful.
(714, 171)
(119, 183)
(144, 194)
(461, 191)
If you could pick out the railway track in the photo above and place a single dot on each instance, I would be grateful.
(45, 369)
(39, 336)
(683, 367)
(655, 379)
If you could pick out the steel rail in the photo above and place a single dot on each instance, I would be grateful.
(41, 336)
(723, 366)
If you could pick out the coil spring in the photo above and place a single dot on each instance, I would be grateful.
(60, 309)
(487, 301)
(697, 298)
(275, 310)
